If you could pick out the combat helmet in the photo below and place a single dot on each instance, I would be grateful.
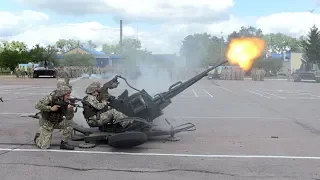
(93, 87)
(63, 90)
(63, 83)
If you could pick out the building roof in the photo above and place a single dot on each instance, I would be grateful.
(92, 51)
(115, 56)
(95, 53)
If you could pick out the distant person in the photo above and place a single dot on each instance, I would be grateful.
(289, 75)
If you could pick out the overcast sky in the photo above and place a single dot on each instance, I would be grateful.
(161, 25)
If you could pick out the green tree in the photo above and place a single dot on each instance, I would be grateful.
(12, 53)
(64, 45)
(91, 45)
(11, 58)
(36, 54)
(200, 50)
(50, 54)
(39, 53)
(216, 50)
(280, 43)
(249, 31)
(269, 65)
(13, 46)
(111, 49)
(131, 51)
(311, 46)
(78, 60)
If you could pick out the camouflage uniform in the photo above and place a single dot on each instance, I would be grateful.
(59, 85)
(50, 120)
(107, 114)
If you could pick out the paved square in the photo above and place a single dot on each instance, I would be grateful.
(245, 130)
(284, 94)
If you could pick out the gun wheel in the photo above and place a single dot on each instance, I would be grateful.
(86, 145)
(127, 139)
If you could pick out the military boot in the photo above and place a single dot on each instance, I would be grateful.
(65, 145)
(36, 137)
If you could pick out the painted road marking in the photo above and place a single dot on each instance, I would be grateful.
(285, 94)
(258, 94)
(194, 92)
(228, 117)
(226, 89)
(163, 154)
(207, 93)
(272, 94)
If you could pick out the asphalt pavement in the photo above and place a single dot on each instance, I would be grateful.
(245, 130)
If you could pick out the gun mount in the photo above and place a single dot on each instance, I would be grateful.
(143, 105)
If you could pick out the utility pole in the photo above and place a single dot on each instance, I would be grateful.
(120, 34)
(120, 43)
(221, 48)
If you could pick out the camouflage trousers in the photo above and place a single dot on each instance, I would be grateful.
(110, 115)
(46, 131)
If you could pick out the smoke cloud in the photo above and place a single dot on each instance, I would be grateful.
(156, 77)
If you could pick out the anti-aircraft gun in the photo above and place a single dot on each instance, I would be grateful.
(141, 108)
(143, 105)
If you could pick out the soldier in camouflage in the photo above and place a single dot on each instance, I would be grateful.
(55, 114)
(94, 104)
(59, 85)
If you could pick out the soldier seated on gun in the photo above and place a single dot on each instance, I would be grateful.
(56, 113)
(96, 109)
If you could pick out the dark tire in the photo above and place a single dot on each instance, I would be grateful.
(77, 137)
(54, 75)
(127, 139)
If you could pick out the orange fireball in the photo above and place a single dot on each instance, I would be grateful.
(243, 51)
